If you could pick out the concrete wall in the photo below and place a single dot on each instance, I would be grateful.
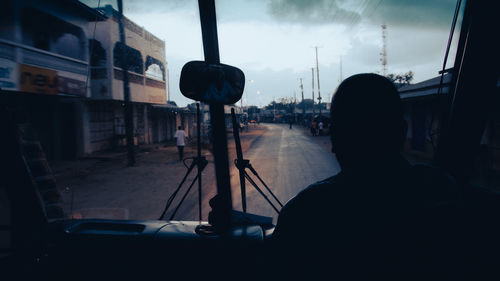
(163, 125)
(104, 125)
(83, 124)
(101, 122)
(143, 88)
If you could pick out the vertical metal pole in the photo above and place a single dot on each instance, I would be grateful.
(168, 82)
(239, 156)
(241, 101)
(317, 75)
(312, 70)
(274, 109)
(128, 110)
(303, 105)
(223, 208)
(294, 105)
(198, 131)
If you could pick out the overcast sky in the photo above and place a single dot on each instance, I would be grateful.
(272, 40)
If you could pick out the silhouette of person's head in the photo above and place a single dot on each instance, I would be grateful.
(367, 121)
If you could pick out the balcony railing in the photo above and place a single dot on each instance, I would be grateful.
(42, 58)
(139, 79)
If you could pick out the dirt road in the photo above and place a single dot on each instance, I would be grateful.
(102, 186)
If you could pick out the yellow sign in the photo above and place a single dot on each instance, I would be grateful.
(37, 80)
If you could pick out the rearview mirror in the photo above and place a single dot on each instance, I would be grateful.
(206, 82)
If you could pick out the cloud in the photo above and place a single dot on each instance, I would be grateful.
(271, 40)
(428, 13)
(260, 45)
(312, 12)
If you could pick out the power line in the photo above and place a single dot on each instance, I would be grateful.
(359, 11)
(302, 92)
(312, 71)
(317, 75)
(375, 8)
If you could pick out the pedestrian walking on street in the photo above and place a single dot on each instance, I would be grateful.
(180, 135)
(320, 127)
(313, 128)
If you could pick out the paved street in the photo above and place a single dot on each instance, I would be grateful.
(287, 160)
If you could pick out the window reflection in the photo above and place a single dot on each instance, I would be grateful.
(52, 34)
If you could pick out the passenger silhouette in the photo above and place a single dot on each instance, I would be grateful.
(379, 215)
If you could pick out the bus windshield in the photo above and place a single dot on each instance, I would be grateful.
(99, 85)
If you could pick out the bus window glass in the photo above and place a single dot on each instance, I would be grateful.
(94, 81)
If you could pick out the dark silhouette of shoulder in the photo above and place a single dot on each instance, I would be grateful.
(376, 222)
(415, 188)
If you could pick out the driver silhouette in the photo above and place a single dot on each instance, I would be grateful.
(380, 215)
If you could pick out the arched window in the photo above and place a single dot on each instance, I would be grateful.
(68, 45)
(155, 68)
(97, 60)
(97, 53)
(128, 58)
(154, 71)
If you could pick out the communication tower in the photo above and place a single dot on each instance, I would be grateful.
(383, 54)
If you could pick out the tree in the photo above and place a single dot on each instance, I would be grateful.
(288, 105)
(400, 80)
(253, 110)
(285, 104)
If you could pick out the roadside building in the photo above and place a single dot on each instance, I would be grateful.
(145, 60)
(60, 63)
(44, 60)
(238, 111)
(253, 113)
(424, 105)
(165, 119)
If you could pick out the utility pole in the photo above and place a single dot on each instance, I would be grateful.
(312, 70)
(317, 75)
(294, 106)
(303, 105)
(168, 82)
(383, 54)
(128, 108)
(274, 109)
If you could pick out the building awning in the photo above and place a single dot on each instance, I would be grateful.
(426, 88)
(83, 10)
(171, 108)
